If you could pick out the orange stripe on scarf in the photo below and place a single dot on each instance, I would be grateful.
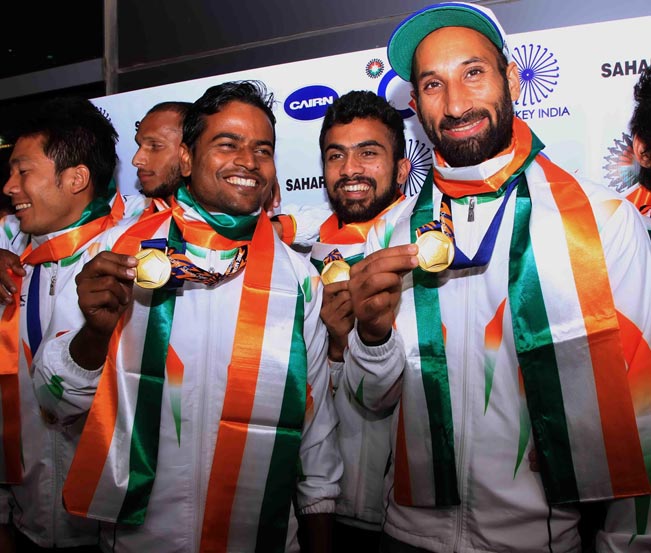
(598, 308)
(331, 232)
(638, 358)
(402, 478)
(95, 442)
(240, 390)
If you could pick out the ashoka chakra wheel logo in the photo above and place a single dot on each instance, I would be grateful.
(539, 73)
(420, 155)
(621, 168)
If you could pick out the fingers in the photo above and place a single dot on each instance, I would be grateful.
(273, 201)
(9, 263)
(105, 289)
(397, 259)
(121, 267)
(375, 287)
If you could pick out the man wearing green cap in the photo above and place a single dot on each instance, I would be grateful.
(494, 310)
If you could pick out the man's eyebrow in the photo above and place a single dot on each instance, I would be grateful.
(434, 73)
(363, 144)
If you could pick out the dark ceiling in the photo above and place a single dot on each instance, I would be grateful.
(43, 35)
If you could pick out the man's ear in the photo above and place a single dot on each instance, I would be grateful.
(185, 159)
(513, 80)
(78, 178)
(414, 97)
(642, 152)
(404, 166)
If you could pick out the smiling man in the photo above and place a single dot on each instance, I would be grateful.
(494, 313)
(216, 355)
(362, 149)
(60, 171)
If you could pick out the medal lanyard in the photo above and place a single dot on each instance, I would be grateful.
(182, 269)
(487, 245)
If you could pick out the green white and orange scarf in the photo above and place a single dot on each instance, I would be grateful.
(348, 238)
(615, 362)
(96, 218)
(101, 486)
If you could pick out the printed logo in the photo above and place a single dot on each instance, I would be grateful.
(539, 73)
(105, 113)
(374, 68)
(407, 112)
(420, 155)
(309, 102)
(621, 168)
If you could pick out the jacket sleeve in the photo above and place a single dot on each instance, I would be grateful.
(320, 461)
(627, 249)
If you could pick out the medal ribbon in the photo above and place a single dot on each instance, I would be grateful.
(431, 342)
(184, 270)
(485, 251)
(95, 218)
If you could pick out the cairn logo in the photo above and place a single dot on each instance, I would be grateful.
(407, 112)
(374, 68)
(539, 73)
(621, 169)
(420, 155)
(309, 102)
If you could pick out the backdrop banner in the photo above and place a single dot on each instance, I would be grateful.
(577, 95)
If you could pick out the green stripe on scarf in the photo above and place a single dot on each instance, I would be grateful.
(434, 364)
(146, 429)
(281, 480)
(535, 349)
(233, 227)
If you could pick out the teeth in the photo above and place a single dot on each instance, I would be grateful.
(18, 207)
(356, 187)
(239, 181)
(465, 127)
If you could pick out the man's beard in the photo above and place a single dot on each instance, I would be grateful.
(475, 150)
(168, 187)
(355, 211)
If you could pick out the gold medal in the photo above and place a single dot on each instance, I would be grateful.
(435, 251)
(335, 271)
(154, 268)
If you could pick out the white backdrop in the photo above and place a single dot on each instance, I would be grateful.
(577, 96)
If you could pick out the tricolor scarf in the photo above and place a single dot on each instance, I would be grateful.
(96, 218)
(640, 196)
(347, 238)
(255, 443)
(588, 448)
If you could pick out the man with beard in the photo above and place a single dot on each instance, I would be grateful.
(494, 313)
(157, 160)
(362, 145)
(211, 426)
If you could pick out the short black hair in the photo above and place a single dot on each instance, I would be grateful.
(75, 132)
(640, 124)
(177, 107)
(216, 97)
(364, 104)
